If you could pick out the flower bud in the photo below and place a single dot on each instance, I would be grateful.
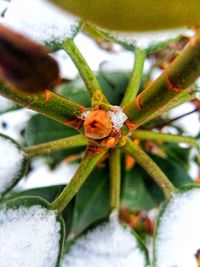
(24, 64)
(98, 124)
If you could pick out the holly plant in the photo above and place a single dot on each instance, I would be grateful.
(131, 201)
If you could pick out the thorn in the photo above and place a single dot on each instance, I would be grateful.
(131, 126)
(171, 86)
(47, 95)
(137, 102)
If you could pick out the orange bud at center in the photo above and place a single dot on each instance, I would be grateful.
(98, 124)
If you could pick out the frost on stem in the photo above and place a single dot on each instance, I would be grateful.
(177, 239)
(118, 117)
(40, 20)
(108, 245)
(29, 237)
(11, 164)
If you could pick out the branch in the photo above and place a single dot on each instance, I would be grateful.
(57, 145)
(188, 94)
(85, 168)
(136, 77)
(170, 121)
(115, 179)
(93, 86)
(181, 74)
(149, 135)
(47, 103)
(150, 167)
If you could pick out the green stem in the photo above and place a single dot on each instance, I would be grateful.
(136, 77)
(93, 86)
(47, 103)
(170, 121)
(115, 179)
(188, 94)
(57, 145)
(181, 74)
(149, 135)
(150, 167)
(85, 168)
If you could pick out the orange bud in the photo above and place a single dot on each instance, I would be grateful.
(25, 64)
(98, 124)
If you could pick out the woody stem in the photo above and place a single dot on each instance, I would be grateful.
(150, 167)
(115, 179)
(180, 74)
(136, 77)
(92, 85)
(57, 145)
(85, 168)
(47, 103)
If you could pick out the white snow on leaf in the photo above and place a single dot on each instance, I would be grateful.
(118, 117)
(11, 159)
(5, 104)
(178, 235)
(144, 40)
(29, 237)
(108, 245)
(40, 20)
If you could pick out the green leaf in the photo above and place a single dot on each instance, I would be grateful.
(135, 194)
(75, 91)
(178, 154)
(139, 191)
(41, 129)
(113, 85)
(92, 201)
(29, 202)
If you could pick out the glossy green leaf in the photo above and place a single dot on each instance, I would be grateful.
(92, 201)
(113, 85)
(41, 129)
(133, 15)
(139, 191)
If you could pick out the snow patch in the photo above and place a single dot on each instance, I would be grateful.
(178, 235)
(29, 237)
(146, 39)
(40, 20)
(108, 245)
(11, 159)
(118, 117)
(85, 114)
(5, 104)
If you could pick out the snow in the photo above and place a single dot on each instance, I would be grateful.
(11, 159)
(40, 20)
(108, 245)
(5, 104)
(29, 237)
(84, 115)
(43, 176)
(118, 117)
(178, 237)
(146, 39)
